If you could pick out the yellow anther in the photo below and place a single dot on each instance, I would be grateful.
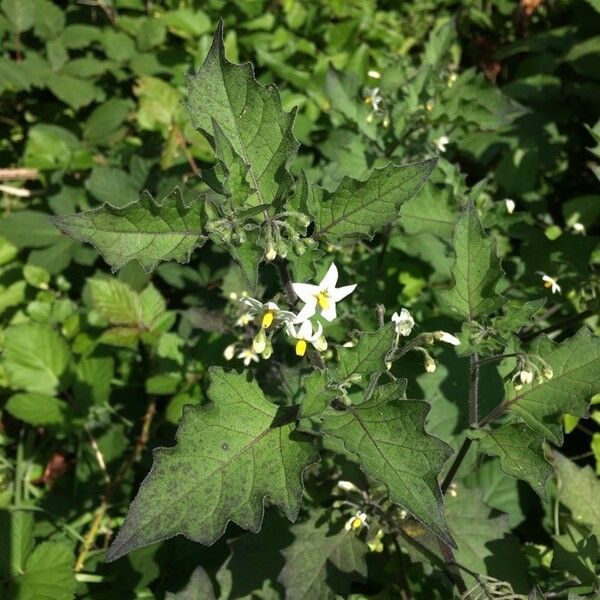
(267, 319)
(323, 300)
(356, 523)
(300, 347)
(548, 284)
(368, 99)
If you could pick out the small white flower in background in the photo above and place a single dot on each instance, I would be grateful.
(442, 142)
(347, 486)
(356, 522)
(550, 283)
(322, 297)
(305, 335)
(248, 355)
(349, 344)
(548, 372)
(578, 228)
(268, 313)
(244, 319)
(510, 206)
(373, 74)
(448, 338)
(229, 352)
(374, 98)
(403, 322)
(430, 365)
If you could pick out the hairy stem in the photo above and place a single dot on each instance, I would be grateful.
(474, 390)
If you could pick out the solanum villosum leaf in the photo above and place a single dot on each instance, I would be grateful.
(360, 208)
(476, 270)
(323, 560)
(575, 365)
(231, 455)
(521, 453)
(249, 115)
(387, 433)
(146, 231)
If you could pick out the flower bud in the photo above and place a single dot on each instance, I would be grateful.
(271, 254)
(430, 365)
(229, 352)
(259, 343)
(548, 372)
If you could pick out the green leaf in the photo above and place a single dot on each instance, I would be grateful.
(48, 574)
(387, 432)
(49, 19)
(323, 560)
(199, 587)
(576, 552)
(146, 231)
(521, 453)
(36, 357)
(432, 211)
(38, 409)
(105, 120)
(360, 208)
(20, 14)
(476, 270)
(249, 115)
(230, 456)
(579, 490)
(16, 533)
(28, 229)
(317, 395)
(368, 356)
(116, 302)
(575, 364)
(54, 147)
(112, 186)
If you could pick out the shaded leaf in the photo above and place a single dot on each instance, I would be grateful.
(230, 456)
(387, 432)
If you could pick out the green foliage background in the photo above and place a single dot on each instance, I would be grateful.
(95, 371)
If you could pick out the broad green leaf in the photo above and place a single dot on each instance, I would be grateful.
(231, 455)
(432, 211)
(16, 533)
(575, 364)
(38, 409)
(476, 270)
(579, 490)
(387, 432)
(323, 560)
(249, 115)
(360, 208)
(576, 552)
(20, 14)
(317, 395)
(49, 19)
(199, 587)
(106, 119)
(146, 230)
(116, 302)
(36, 357)
(521, 453)
(368, 356)
(48, 574)
(29, 229)
(112, 186)
(54, 147)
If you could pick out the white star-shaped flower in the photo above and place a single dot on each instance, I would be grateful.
(248, 356)
(442, 142)
(356, 522)
(550, 282)
(268, 313)
(322, 297)
(403, 322)
(305, 335)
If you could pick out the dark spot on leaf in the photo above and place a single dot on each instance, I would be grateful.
(225, 446)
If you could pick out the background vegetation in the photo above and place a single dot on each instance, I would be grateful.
(90, 112)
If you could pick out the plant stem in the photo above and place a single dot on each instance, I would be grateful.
(569, 321)
(456, 464)
(474, 390)
(113, 486)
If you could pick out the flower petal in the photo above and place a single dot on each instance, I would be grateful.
(328, 282)
(306, 292)
(329, 313)
(305, 331)
(306, 313)
(340, 293)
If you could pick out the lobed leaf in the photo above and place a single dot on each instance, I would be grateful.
(521, 453)
(360, 208)
(387, 433)
(249, 115)
(476, 270)
(576, 376)
(231, 455)
(146, 231)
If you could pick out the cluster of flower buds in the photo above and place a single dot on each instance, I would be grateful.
(530, 368)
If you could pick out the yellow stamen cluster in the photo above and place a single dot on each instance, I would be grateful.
(267, 319)
(323, 300)
(301, 347)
